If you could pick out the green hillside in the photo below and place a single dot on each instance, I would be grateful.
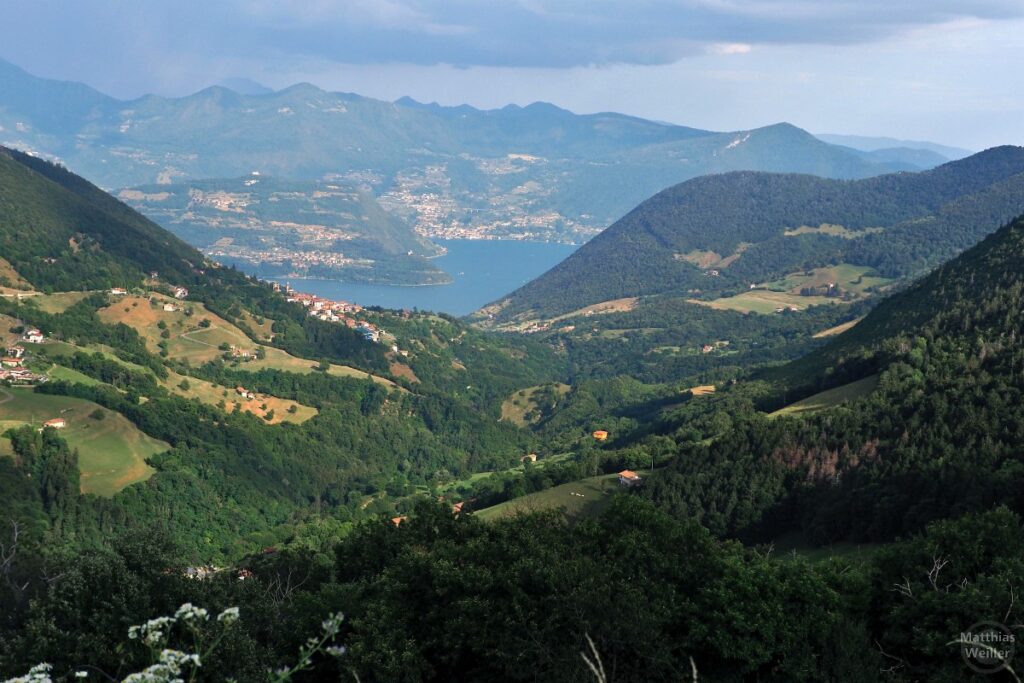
(721, 234)
(63, 233)
(920, 417)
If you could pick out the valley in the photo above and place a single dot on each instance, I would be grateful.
(299, 384)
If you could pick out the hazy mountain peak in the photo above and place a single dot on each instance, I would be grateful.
(245, 86)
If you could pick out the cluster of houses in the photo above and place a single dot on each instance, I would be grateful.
(336, 312)
(13, 370)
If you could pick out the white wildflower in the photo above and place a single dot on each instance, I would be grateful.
(167, 670)
(332, 624)
(335, 650)
(153, 638)
(228, 616)
(188, 612)
(81, 674)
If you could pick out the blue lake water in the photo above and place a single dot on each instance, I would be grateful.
(483, 271)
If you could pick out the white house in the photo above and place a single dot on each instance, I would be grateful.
(34, 336)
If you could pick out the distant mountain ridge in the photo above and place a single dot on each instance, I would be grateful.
(536, 172)
(722, 234)
(874, 144)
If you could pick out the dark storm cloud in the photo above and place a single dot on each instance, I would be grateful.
(532, 33)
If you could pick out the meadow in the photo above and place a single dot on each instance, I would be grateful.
(112, 451)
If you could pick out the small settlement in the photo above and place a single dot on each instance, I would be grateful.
(12, 364)
(337, 312)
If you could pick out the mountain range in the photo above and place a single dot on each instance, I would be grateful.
(534, 172)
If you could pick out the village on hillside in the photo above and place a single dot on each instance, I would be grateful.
(12, 364)
(341, 312)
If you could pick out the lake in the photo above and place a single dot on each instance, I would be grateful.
(483, 271)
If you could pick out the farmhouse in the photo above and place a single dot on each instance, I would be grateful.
(600, 435)
(180, 292)
(629, 478)
(10, 362)
(15, 352)
(170, 308)
(118, 291)
(398, 520)
(56, 423)
(245, 393)
(34, 336)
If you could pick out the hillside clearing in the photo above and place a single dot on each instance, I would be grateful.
(213, 394)
(830, 397)
(838, 329)
(586, 498)
(518, 407)
(112, 451)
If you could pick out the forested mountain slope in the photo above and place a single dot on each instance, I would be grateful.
(722, 234)
(64, 233)
(938, 436)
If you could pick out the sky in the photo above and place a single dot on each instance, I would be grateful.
(950, 72)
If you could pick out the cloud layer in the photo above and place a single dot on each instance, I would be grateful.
(507, 33)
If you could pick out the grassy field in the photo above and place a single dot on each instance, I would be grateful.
(785, 293)
(765, 301)
(583, 498)
(830, 397)
(111, 450)
(60, 372)
(58, 302)
(838, 329)
(515, 407)
(264, 331)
